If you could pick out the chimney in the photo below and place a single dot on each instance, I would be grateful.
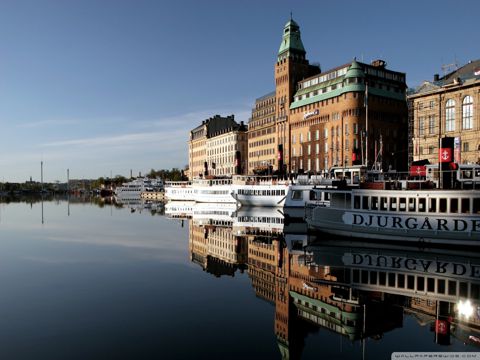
(436, 77)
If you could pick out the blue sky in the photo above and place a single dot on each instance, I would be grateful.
(105, 86)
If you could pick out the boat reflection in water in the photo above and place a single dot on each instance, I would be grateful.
(356, 290)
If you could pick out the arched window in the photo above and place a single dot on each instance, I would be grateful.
(450, 115)
(467, 112)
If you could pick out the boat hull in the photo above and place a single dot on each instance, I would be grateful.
(451, 230)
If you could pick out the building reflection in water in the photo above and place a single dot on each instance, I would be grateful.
(354, 289)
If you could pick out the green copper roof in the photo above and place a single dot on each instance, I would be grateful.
(355, 71)
(291, 38)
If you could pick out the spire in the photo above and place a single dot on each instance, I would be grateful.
(291, 41)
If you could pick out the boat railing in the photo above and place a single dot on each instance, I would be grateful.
(177, 183)
(259, 180)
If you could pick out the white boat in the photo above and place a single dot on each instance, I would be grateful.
(430, 216)
(201, 190)
(134, 189)
(266, 191)
(179, 191)
(213, 190)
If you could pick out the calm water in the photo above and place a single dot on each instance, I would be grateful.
(81, 280)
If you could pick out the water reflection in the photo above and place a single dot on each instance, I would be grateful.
(356, 290)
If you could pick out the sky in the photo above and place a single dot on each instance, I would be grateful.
(105, 87)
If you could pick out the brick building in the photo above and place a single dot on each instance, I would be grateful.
(315, 120)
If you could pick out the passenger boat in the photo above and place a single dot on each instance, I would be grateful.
(134, 189)
(431, 216)
(215, 190)
(266, 191)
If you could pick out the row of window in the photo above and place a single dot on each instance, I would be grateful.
(411, 204)
(333, 131)
(467, 114)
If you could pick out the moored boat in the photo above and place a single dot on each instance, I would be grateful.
(430, 216)
(134, 189)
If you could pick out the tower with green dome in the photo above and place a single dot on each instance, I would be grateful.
(290, 68)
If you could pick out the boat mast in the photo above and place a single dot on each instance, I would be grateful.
(366, 124)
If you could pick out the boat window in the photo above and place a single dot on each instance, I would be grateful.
(383, 203)
(420, 283)
(391, 279)
(454, 205)
(356, 202)
(364, 277)
(442, 207)
(411, 282)
(432, 205)
(441, 286)
(474, 291)
(326, 196)
(465, 205)
(356, 276)
(476, 205)
(402, 204)
(452, 288)
(463, 289)
(297, 195)
(382, 277)
(401, 281)
(365, 202)
(348, 198)
(373, 277)
(374, 203)
(430, 284)
(411, 204)
(422, 205)
(393, 204)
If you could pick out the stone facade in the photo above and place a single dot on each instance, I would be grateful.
(447, 107)
(216, 147)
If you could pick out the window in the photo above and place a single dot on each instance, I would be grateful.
(450, 115)
(346, 129)
(431, 124)
(355, 128)
(467, 112)
(317, 148)
(301, 138)
(309, 149)
(432, 104)
(466, 146)
(421, 126)
(293, 139)
(317, 134)
(309, 136)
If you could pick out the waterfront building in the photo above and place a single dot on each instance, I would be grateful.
(218, 147)
(447, 107)
(315, 120)
(268, 141)
(262, 140)
(330, 113)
